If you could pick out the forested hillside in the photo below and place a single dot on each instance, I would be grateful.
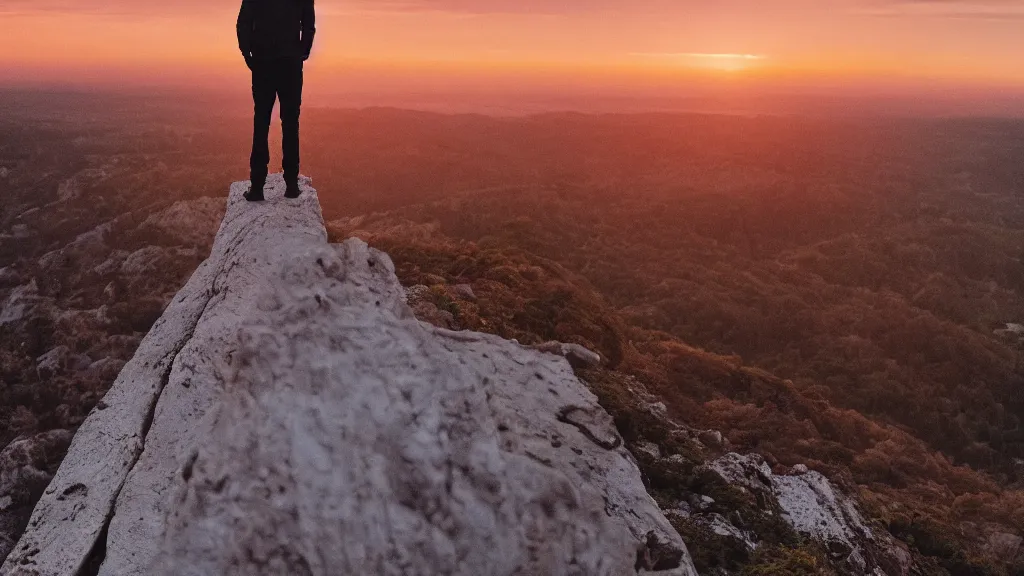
(827, 293)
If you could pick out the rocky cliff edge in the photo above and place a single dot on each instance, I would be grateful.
(288, 414)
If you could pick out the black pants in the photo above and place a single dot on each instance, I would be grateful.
(276, 79)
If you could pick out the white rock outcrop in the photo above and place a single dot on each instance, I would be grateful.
(814, 508)
(24, 466)
(188, 221)
(1011, 332)
(19, 303)
(289, 415)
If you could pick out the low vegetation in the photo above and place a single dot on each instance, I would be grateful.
(822, 292)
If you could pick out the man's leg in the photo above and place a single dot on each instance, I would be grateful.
(263, 96)
(290, 92)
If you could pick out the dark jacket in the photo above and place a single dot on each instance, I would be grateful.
(269, 29)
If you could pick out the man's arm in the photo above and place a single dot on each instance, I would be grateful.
(308, 27)
(244, 29)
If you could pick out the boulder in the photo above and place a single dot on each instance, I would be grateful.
(814, 508)
(711, 438)
(53, 362)
(464, 291)
(578, 356)
(420, 299)
(20, 301)
(1004, 545)
(722, 527)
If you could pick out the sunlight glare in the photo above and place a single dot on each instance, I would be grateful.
(723, 62)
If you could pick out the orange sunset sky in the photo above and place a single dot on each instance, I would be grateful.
(662, 47)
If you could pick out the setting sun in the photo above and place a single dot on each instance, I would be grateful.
(652, 48)
(707, 61)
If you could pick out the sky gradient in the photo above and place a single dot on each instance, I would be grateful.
(662, 47)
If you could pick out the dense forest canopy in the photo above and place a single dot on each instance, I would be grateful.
(832, 292)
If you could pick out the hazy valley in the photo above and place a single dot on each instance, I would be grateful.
(835, 294)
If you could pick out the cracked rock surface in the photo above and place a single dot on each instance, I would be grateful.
(288, 414)
(814, 508)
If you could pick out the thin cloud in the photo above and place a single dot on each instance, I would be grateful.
(112, 7)
(969, 9)
(523, 7)
(950, 9)
(538, 7)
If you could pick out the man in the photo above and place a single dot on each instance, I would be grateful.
(275, 37)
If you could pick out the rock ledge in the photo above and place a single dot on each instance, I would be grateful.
(288, 414)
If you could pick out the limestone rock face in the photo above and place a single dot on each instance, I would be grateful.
(26, 467)
(814, 508)
(289, 415)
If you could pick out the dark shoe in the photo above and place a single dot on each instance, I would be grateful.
(292, 191)
(255, 193)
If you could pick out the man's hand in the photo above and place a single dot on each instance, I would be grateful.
(245, 26)
(308, 28)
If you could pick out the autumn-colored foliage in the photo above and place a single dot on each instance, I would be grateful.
(823, 291)
(909, 488)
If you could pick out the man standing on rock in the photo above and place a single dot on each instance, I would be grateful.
(275, 37)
